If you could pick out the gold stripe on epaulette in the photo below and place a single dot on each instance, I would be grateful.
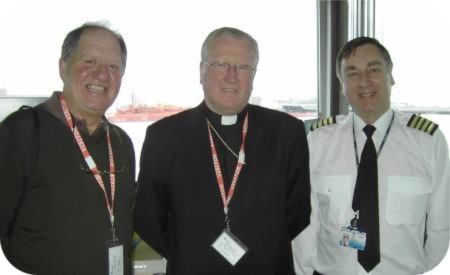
(324, 122)
(422, 124)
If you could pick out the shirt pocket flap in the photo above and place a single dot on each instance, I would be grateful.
(331, 184)
(334, 196)
(410, 185)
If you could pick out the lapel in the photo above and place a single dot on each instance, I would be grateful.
(201, 160)
(247, 184)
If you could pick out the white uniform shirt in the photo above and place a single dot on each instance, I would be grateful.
(413, 187)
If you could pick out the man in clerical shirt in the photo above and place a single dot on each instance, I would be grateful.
(224, 187)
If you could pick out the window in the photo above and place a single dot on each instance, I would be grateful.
(164, 40)
(419, 47)
(416, 35)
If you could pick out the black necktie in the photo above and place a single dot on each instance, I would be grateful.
(365, 199)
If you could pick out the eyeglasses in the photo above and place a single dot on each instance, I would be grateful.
(86, 170)
(119, 162)
(224, 67)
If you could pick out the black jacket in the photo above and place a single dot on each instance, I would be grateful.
(179, 210)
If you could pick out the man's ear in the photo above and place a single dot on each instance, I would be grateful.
(62, 69)
(341, 86)
(201, 72)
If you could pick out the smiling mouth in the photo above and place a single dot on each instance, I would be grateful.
(97, 89)
(367, 94)
(229, 90)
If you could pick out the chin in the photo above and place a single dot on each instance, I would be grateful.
(97, 108)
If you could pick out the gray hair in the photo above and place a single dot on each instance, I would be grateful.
(232, 33)
(70, 43)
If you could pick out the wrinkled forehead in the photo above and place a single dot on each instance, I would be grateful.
(101, 38)
(98, 43)
(231, 47)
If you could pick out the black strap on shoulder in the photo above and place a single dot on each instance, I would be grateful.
(31, 156)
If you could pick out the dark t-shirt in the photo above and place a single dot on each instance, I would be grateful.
(62, 225)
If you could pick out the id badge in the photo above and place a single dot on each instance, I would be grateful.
(229, 247)
(115, 258)
(352, 238)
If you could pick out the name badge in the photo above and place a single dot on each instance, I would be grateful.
(352, 238)
(115, 258)
(229, 247)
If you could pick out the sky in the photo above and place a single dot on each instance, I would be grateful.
(164, 39)
(417, 35)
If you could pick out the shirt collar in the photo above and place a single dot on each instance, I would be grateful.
(53, 106)
(381, 125)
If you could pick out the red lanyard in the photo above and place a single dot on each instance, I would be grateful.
(91, 163)
(227, 198)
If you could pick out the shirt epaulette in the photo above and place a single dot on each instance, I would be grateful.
(422, 124)
(324, 122)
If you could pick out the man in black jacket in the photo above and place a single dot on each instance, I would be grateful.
(224, 187)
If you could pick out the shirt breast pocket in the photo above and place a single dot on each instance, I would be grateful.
(334, 194)
(407, 200)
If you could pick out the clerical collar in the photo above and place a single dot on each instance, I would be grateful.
(217, 119)
(229, 120)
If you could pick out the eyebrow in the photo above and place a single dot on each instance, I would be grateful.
(369, 64)
(374, 63)
(349, 68)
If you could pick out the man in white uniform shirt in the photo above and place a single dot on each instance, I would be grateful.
(413, 178)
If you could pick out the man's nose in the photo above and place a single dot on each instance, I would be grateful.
(102, 72)
(364, 79)
(232, 73)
